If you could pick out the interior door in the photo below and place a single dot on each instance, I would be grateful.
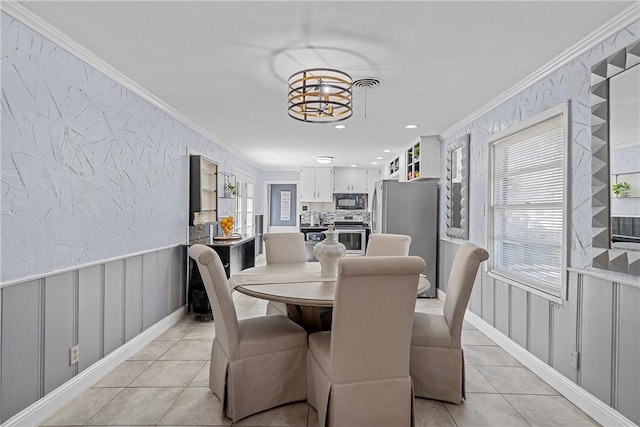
(283, 208)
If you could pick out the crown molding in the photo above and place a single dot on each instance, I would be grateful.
(599, 35)
(25, 15)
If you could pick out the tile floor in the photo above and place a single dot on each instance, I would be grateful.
(166, 384)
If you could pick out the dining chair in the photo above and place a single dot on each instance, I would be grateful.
(437, 360)
(257, 363)
(358, 373)
(283, 248)
(388, 245)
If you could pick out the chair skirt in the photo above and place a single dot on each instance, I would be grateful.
(438, 373)
(384, 402)
(258, 383)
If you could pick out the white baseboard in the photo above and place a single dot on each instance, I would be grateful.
(45, 407)
(591, 405)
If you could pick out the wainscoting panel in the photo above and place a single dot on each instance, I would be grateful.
(90, 316)
(99, 307)
(149, 289)
(113, 305)
(600, 319)
(564, 335)
(59, 329)
(628, 368)
(596, 341)
(178, 275)
(21, 346)
(519, 323)
(501, 307)
(164, 283)
(486, 309)
(538, 333)
(133, 297)
(443, 261)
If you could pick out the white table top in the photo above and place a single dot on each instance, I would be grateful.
(298, 284)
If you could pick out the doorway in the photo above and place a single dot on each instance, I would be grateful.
(282, 208)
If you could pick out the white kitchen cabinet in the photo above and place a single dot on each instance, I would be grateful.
(393, 171)
(373, 176)
(423, 158)
(316, 184)
(349, 180)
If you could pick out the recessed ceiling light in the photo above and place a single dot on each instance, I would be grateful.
(386, 151)
(353, 166)
(374, 163)
(379, 158)
(411, 126)
(324, 159)
(340, 126)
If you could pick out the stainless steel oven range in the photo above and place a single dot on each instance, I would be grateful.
(353, 234)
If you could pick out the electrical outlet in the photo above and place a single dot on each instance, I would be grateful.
(573, 359)
(74, 354)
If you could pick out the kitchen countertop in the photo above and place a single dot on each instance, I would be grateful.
(208, 240)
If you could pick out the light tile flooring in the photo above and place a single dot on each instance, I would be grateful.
(166, 384)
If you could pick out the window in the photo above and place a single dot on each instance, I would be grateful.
(527, 218)
(244, 204)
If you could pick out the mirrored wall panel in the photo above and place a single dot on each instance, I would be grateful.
(615, 148)
(458, 188)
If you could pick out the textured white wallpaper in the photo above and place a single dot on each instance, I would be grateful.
(569, 82)
(90, 171)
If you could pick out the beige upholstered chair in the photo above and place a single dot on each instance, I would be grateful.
(358, 373)
(437, 362)
(257, 363)
(388, 245)
(283, 248)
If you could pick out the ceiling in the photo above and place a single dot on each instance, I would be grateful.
(224, 64)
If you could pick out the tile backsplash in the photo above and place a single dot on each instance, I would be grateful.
(328, 217)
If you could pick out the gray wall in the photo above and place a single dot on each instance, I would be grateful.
(601, 317)
(600, 320)
(90, 172)
(99, 307)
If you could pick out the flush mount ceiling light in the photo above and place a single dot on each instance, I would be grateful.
(340, 126)
(324, 159)
(411, 126)
(320, 95)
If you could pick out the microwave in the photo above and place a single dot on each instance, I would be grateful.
(348, 201)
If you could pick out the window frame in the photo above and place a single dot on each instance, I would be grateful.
(242, 220)
(493, 140)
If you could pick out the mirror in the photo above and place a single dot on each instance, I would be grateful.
(624, 158)
(615, 149)
(458, 188)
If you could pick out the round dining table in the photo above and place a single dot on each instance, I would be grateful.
(300, 286)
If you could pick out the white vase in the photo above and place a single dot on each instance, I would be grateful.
(328, 252)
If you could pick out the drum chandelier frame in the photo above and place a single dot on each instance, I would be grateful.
(320, 95)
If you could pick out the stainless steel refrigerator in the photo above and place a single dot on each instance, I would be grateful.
(410, 208)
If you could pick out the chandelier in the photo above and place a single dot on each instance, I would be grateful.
(320, 95)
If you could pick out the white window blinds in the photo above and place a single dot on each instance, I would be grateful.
(528, 206)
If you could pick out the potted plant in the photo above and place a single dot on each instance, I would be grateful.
(230, 188)
(620, 188)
